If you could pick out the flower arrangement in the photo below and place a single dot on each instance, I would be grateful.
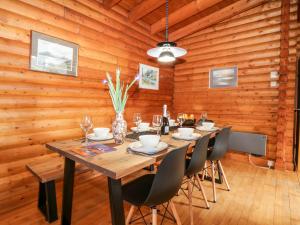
(117, 93)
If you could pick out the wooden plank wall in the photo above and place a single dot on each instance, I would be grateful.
(36, 107)
(252, 41)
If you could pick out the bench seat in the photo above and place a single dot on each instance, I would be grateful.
(47, 171)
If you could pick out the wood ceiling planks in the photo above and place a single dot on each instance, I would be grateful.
(225, 13)
(182, 13)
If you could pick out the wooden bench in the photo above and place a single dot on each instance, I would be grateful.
(47, 171)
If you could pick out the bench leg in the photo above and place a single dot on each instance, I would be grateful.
(47, 201)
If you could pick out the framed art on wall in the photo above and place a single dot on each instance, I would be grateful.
(53, 55)
(223, 77)
(149, 77)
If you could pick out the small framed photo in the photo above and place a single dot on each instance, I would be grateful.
(53, 55)
(149, 77)
(223, 77)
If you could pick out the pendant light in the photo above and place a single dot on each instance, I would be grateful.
(167, 51)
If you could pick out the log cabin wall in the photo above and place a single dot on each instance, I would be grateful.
(253, 41)
(37, 107)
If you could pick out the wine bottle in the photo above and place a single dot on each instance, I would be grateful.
(165, 122)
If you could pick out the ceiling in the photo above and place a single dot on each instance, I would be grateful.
(185, 16)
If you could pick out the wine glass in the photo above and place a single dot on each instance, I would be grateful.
(156, 122)
(203, 117)
(137, 119)
(86, 124)
(180, 119)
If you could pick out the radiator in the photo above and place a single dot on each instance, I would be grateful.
(248, 142)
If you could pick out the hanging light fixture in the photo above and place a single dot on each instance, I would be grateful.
(166, 51)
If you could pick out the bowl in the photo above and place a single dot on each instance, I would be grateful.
(149, 140)
(186, 132)
(101, 132)
(144, 126)
(208, 125)
(172, 122)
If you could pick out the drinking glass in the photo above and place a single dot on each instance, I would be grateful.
(157, 122)
(86, 124)
(203, 117)
(137, 119)
(180, 119)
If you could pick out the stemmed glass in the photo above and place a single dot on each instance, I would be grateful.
(137, 119)
(180, 119)
(203, 117)
(157, 122)
(86, 124)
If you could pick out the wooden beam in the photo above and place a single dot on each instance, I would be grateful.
(183, 13)
(108, 4)
(283, 86)
(298, 16)
(144, 8)
(212, 19)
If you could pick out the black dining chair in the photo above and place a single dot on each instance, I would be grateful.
(194, 166)
(152, 190)
(216, 154)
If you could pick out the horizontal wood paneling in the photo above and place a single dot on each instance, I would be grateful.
(37, 107)
(251, 41)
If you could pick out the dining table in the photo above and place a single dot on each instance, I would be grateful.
(115, 165)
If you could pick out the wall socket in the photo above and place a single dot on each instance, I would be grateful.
(273, 84)
(270, 164)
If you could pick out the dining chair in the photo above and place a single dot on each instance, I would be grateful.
(152, 190)
(195, 165)
(215, 155)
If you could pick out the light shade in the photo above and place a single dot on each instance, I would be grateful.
(166, 47)
(166, 57)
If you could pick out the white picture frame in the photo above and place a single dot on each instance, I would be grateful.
(226, 77)
(149, 77)
(53, 55)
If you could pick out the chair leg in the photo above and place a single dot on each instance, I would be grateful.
(190, 192)
(213, 179)
(174, 211)
(154, 216)
(202, 190)
(130, 214)
(225, 179)
(204, 172)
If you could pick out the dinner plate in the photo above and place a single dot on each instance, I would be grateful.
(194, 136)
(93, 137)
(201, 128)
(134, 129)
(138, 147)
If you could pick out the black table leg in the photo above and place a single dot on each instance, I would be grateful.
(68, 192)
(116, 201)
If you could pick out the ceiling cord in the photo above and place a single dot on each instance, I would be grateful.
(167, 20)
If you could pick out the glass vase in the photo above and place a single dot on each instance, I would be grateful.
(119, 128)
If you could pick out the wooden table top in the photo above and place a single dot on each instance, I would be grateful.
(115, 164)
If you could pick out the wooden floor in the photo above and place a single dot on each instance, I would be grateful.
(258, 196)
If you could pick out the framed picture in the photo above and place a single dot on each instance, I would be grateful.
(53, 55)
(223, 77)
(149, 77)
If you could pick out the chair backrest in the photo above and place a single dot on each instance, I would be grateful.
(199, 156)
(221, 144)
(168, 178)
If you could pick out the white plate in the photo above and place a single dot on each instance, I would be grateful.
(94, 138)
(194, 136)
(134, 129)
(138, 147)
(201, 128)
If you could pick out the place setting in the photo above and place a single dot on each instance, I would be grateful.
(207, 126)
(100, 134)
(147, 145)
(186, 134)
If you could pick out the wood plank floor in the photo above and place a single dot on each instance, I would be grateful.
(258, 196)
